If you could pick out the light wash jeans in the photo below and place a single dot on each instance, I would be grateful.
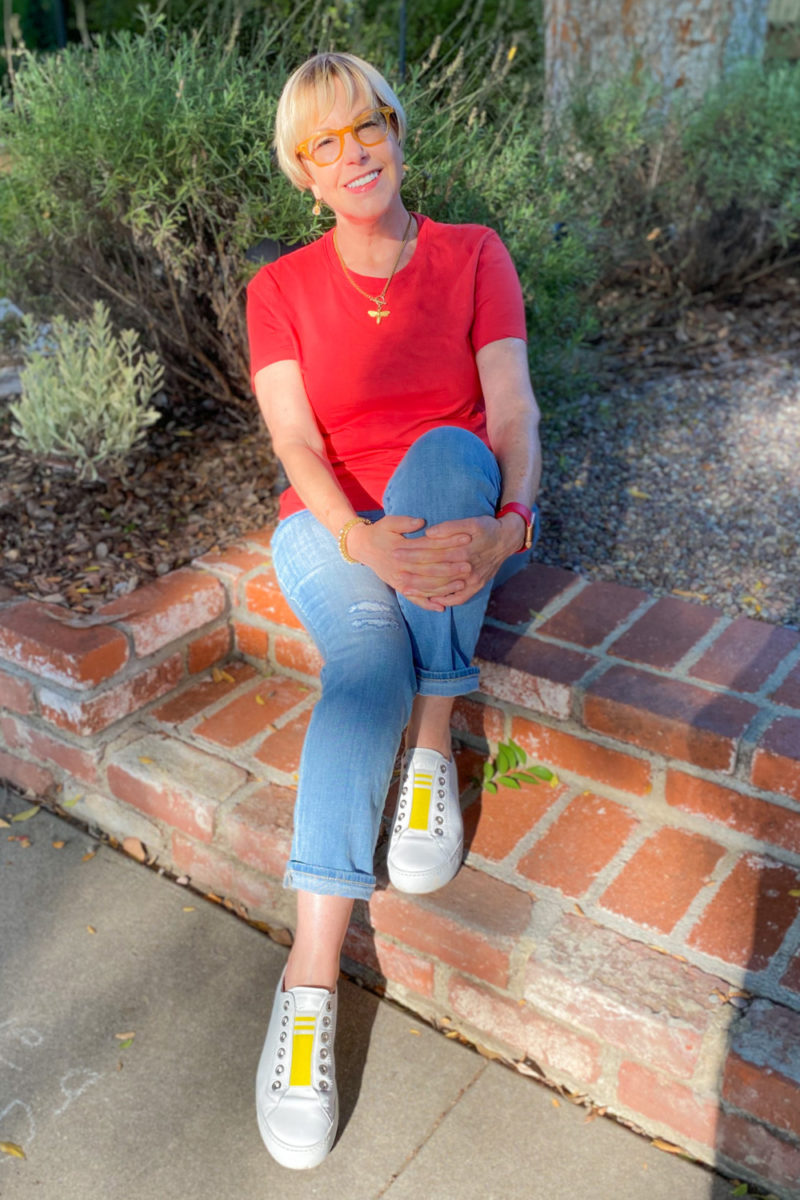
(379, 650)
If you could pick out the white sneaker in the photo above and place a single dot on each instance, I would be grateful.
(296, 1098)
(427, 838)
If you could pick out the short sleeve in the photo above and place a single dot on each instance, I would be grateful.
(499, 307)
(269, 328)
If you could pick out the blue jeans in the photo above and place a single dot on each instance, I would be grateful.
(379, 650)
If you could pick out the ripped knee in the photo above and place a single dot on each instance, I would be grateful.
(372, 614)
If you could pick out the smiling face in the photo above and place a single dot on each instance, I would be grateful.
(363, 185)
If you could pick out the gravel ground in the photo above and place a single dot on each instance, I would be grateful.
(688, 484)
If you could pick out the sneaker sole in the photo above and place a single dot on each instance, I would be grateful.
(297, 1158)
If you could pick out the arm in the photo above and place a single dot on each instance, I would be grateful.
(512, 417)
(405, 565)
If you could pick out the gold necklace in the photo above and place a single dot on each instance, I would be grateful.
(377, 312)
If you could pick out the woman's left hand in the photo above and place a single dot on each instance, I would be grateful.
(491, 543)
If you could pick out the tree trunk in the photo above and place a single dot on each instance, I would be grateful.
(679, 43)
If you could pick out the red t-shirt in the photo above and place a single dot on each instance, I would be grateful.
(374, 389)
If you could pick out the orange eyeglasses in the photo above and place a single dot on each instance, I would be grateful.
(326, 146)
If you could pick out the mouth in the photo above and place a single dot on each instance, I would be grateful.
(362, 180)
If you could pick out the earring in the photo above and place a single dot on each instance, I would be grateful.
(406, 168)
(316, 210)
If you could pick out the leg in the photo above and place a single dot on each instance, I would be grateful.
(368, 685)
(429, 724)
(321, 925)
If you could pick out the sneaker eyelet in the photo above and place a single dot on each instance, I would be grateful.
(439, 832)
(440, 820)
(323, 1053)
(328, 1006)
(326, 1020)
(323, 1085)
(283, 1037)
(276, 1087)
(440, 807)
(279, 1069)
(325, 1037)
(442, 766)
(284, 1020)
(440, 794)
(323, 1070)
(285, 1005)
(281, 1052)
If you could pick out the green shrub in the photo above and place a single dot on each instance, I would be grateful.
(85, 396)
(141, 171)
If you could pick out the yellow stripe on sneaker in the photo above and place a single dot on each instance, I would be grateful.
(302, 1045)
(421, 800)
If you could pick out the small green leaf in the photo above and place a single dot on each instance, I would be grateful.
(505, 759)
(527, 776)
(488, 771)
(490, 787)
(519, 753)
(507, 781)
(740, 1190)
(126, 1044)
(26, 815)
(543, 773)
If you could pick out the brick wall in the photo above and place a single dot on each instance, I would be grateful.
(630, 933)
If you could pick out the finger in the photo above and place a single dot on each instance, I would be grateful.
(400, 524)
(425, 602)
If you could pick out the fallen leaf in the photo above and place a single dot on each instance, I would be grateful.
(668, 1147)
(690, 595)
(260, 699)
(220, 676)
(4, 824)
(638, 494)
(144, 759)
(452, 1033)
(182, 880)
(133, 847)
(71, 803)
(511, 53)
(59, 845)
(13, 1149)
(123, 1037)
(485, 1052)
(126, 1045)
(89, 854)
(653, 234)
(91, 929)
(189, 908)
(524, 1069)
(415, 1032)
(214, 898)
(740, 1190)
(795, 892)
(555, 1103)
(27, 814)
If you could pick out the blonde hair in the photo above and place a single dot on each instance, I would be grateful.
(309, 93)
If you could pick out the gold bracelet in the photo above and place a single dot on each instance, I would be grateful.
(343, 532)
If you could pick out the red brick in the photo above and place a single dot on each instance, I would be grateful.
(250, 640)
(297, 654)
(526, 594)
(528, 672)
(662, 879)
(762, 1073)
(25, 775)
(791, 977)
(527, 1034)
(493, 825)
(173, 782)
(282, 749)
(252, 713)
(776, 762)
(471, 924)
(481, 720)
(759, 1151)
(583, 757)
(666, 1102)
(80, 763)
(747, 814)
(166, 610)
(47, 641)
(665, 633)
(678, 720)
(789, 691)
(392, 962)
(258, 828)
(259, 537)
(16, 694)
(593, 614)
(205, 866)
(233, 562)
(261, 897)
(208, 649)
(198, 696)
(264, 598)
(648, 1004)
(748, 918)
(761, 1093)
(95, 713)
(745, 655)
(574, 850)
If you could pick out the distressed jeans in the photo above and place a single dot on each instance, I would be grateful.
(379, 651)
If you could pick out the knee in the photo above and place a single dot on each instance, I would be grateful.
(448, 474)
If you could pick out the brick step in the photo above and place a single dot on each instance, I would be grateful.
(630, 932)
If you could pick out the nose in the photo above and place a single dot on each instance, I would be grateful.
(353, 150)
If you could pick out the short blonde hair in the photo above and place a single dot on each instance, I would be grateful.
(309, 93)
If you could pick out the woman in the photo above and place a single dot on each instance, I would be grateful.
(388, 359)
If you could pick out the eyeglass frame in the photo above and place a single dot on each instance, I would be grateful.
(301, 149)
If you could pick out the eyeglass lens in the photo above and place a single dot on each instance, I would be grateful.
(369, 129)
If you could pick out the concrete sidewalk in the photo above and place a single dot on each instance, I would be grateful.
(100, 947)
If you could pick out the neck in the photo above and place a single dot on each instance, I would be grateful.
(368, 247)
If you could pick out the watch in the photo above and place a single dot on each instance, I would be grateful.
(527, 517)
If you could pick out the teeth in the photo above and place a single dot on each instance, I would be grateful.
(364, 179)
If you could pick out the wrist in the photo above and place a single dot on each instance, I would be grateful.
(523, 516)
(351, 538)
(514, 530)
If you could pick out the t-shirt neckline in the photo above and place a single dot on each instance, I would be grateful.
(370, 280)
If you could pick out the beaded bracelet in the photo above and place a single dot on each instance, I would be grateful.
(343, 532)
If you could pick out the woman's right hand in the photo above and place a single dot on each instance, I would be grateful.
(419, 568)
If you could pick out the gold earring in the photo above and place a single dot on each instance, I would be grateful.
(316, 210)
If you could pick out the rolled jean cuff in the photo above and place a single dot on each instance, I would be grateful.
(328, 881)
(448, 683)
